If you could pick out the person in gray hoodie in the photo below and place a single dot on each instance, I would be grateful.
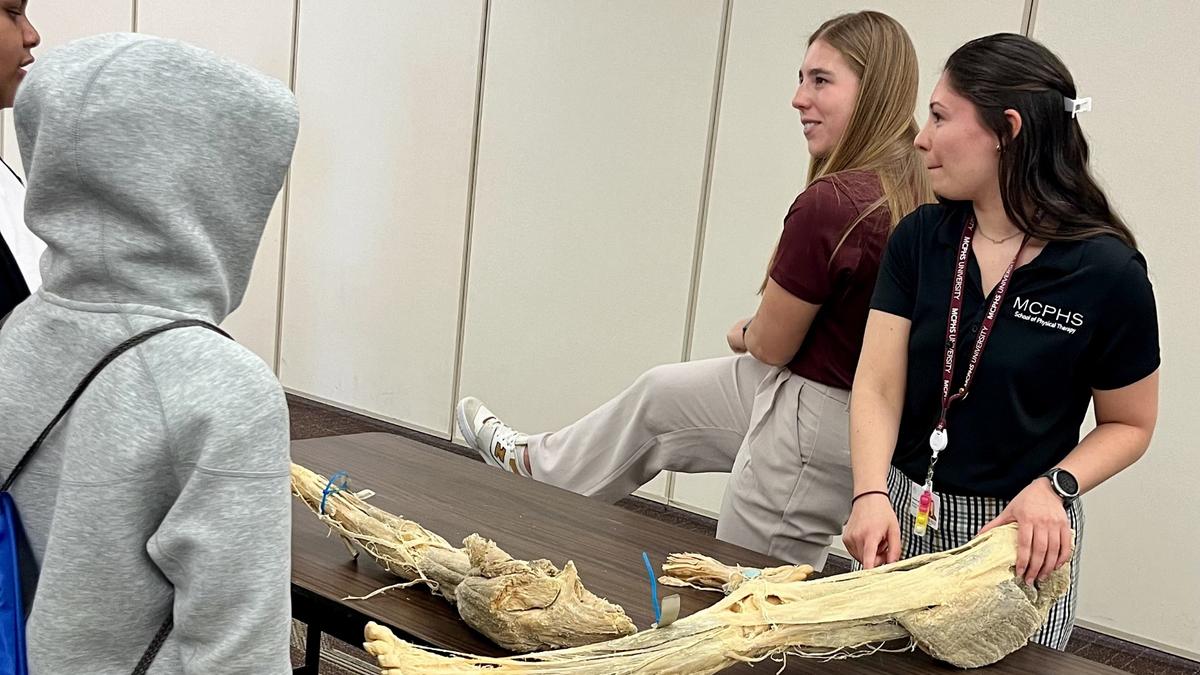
(152, 166)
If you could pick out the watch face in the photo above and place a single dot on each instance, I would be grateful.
(1066, 483)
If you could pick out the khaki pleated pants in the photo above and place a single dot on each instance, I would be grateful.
(783, 438)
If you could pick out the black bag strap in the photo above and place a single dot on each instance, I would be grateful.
(87, 379)
(160, 637)
(143, 664)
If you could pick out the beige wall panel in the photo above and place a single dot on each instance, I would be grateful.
(595, 122)
(1141, 550)
(699, 492)
(378, 204)
(657, 488)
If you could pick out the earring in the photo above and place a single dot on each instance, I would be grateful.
(997, 147)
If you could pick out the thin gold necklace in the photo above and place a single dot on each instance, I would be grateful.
(996, 241)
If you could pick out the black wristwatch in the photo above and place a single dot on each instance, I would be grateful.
(1065, 485)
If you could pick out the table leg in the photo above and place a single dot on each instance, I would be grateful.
(312, 652)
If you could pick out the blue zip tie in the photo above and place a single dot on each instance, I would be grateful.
(331, 489)
(653, 587)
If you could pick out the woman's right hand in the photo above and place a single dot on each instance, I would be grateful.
(736, 337)
(872, 535)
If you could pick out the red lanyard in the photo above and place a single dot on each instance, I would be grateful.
(939, 439)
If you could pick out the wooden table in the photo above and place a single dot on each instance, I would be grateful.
(454, 497)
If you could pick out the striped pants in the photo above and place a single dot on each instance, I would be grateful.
(958, 522)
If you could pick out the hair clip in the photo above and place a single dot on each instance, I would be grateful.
(1077, 105)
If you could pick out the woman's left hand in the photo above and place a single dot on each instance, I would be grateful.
(1044, 537)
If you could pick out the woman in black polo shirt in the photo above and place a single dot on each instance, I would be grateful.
(13, 289)
(999, 314)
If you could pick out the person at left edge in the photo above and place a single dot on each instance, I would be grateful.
(20, 249)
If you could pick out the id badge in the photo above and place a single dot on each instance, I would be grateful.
(914, 504)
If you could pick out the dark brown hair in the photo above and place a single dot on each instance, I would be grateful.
(1045, 184)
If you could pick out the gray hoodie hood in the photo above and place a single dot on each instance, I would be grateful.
(125, 222)
(152, 166)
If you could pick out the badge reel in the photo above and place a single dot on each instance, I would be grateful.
(926, 505)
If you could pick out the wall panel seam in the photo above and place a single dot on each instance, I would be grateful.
(689, 327)
(286, 205)
(1028, 17)
(469, 226)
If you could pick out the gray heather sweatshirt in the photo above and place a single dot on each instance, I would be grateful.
(152, 166)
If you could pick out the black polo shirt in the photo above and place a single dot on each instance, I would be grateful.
(13, 290)
(1079, 316)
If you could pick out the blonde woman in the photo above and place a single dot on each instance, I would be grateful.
(775, 414)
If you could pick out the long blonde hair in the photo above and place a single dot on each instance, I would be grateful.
(880, 134)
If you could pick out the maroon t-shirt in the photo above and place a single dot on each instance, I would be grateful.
(817, 221)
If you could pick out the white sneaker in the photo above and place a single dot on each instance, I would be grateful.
(497, 443)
